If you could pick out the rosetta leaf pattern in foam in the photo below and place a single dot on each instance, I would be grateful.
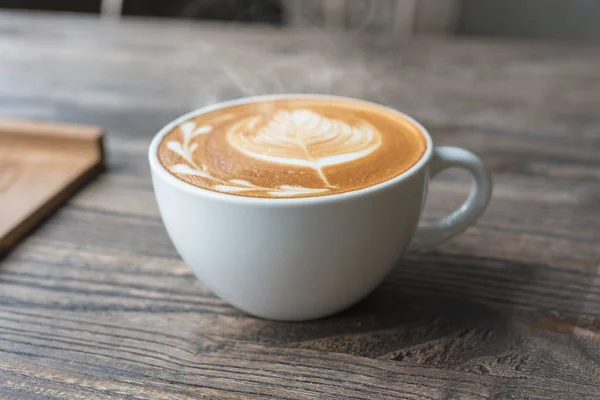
(304, 138)
(297, 137)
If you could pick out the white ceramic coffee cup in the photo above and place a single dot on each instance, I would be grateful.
(305, 258)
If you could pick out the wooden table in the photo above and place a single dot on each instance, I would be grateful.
(97, 304)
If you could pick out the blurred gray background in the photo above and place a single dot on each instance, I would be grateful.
(573, 20)
(551, 19)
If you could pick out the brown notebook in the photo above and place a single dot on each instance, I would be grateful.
(41, 165)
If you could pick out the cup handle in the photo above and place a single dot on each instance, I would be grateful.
(438, 231)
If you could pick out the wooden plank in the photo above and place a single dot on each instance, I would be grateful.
(77, 356)
(41, 166)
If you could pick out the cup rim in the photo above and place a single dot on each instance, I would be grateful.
(172, 180)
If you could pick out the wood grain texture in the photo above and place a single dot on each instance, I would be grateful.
(96, 304)
(41, 165)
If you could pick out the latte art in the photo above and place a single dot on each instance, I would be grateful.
(304, 138)
(291, 148)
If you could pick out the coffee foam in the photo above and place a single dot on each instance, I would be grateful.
(299, 147)
(303, 138)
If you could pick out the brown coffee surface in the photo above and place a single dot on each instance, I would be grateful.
(290, 148)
